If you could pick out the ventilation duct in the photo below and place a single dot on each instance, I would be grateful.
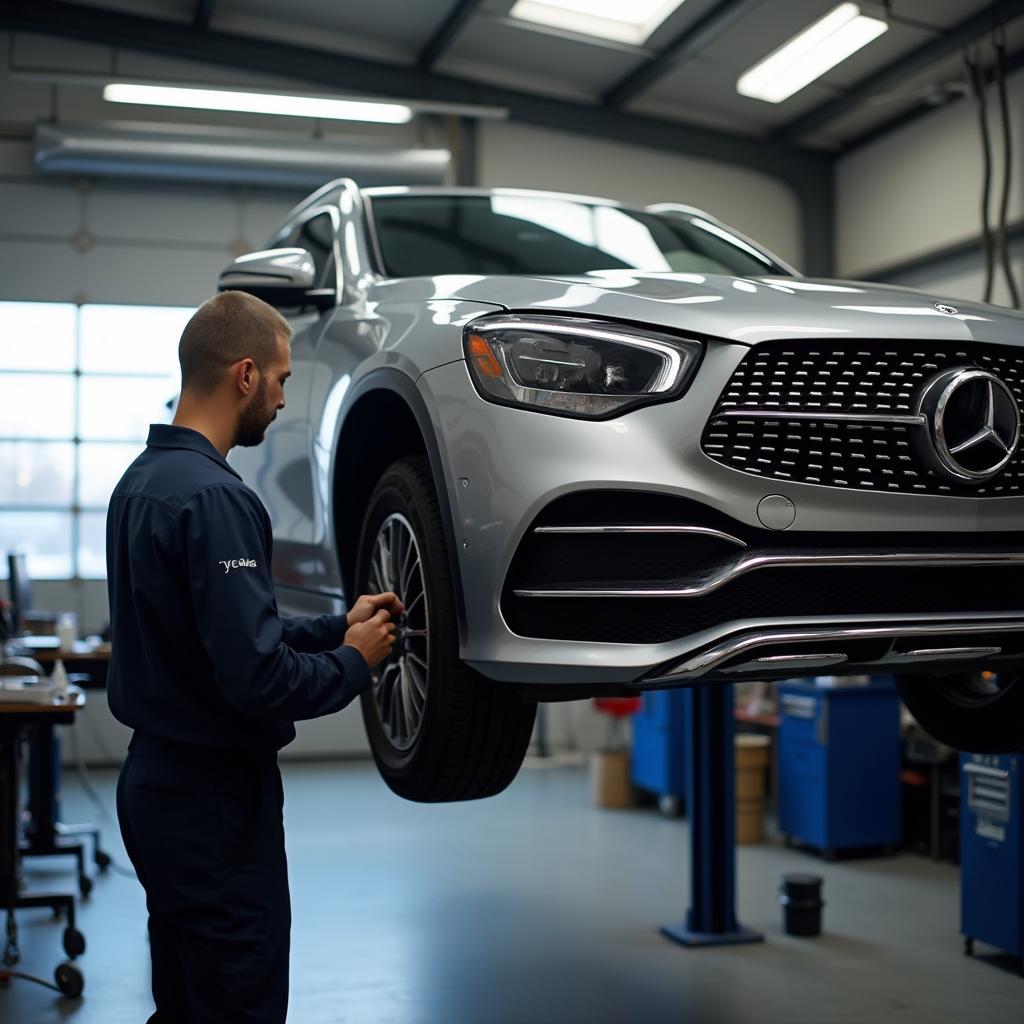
(157, 152)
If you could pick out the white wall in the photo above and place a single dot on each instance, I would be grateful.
(918, 190)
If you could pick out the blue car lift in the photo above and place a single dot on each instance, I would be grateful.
(711, 810)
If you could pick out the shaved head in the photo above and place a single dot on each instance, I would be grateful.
(224, 330)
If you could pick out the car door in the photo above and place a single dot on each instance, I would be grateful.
(280, 469)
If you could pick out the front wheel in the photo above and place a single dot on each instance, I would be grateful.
(976, 712)
(438, 730)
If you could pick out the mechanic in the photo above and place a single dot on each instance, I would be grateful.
(211, 678)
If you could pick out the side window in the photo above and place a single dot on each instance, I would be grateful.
(317, 236)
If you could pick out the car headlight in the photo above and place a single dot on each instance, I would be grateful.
(576, 367)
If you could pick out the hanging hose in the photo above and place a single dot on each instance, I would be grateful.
(978, 89)
(999, 42)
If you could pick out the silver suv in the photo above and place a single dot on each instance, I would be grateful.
(599, 449)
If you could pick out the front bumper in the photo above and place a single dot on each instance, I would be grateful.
(506, 466)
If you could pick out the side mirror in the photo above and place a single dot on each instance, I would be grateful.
(282, 277)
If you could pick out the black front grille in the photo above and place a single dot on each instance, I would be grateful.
(778, 592)
(883, 379)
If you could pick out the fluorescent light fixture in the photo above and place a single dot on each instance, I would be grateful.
(257, 102)
(625, 21)
(807, 56)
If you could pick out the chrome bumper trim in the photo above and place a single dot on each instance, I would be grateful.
(710, 660)
(703, 531)
(794, 662)
(717, 578)
(941, 654)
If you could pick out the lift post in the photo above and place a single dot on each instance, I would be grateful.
(711, 811)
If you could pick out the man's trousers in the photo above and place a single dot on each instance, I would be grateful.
(204, 831)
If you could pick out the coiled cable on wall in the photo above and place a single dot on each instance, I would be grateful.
(977, 84)
(999, 42)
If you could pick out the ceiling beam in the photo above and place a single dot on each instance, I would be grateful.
(343, 73)
(807, 172)
(892, 75)
(1014, 62)
(446, 32)
(690, 42)
(203, 15)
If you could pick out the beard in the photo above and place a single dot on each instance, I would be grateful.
(255, 418)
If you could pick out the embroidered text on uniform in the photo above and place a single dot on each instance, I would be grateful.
(238, 563)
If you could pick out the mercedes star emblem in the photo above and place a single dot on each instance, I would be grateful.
(948, 310)
(974, 424)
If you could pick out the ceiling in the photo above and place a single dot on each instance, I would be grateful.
(690, 63)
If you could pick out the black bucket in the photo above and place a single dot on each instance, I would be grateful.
(800, 896)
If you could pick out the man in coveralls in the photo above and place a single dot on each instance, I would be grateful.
(211, 678)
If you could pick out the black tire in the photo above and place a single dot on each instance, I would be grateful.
(472, 732)
(70, 980)
(967, 713)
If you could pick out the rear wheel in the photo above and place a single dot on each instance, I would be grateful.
(976, 712)
(438, 730)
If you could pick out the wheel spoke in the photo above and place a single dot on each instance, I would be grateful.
(396, 706)
(419, 679)
(407, 702)
(418, 694)
(386, 685)
(392, 544)
(376, 580)
(385, 560)
(407, 569)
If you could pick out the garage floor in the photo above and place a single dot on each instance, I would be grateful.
(537, 907)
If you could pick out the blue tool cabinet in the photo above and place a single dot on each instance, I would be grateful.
(839, 765)
(991, 851)
(659, 744)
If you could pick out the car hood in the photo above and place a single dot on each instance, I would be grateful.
(749, 310)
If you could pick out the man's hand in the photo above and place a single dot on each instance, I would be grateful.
(369, 604)
(373, 638)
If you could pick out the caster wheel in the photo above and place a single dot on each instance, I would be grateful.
(102, 860)
(69, 980)
(968, 946)
(74, 942)
(12, 955)
(84, 886)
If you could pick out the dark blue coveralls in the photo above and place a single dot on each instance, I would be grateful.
(210, 678)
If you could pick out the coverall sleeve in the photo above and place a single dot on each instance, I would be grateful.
(313, 635)
(227, 536)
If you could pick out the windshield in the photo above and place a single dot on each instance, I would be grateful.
(426, 235)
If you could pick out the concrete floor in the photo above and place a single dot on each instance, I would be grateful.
(537, 908)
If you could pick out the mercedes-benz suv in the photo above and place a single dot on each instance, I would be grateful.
(598, 449)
